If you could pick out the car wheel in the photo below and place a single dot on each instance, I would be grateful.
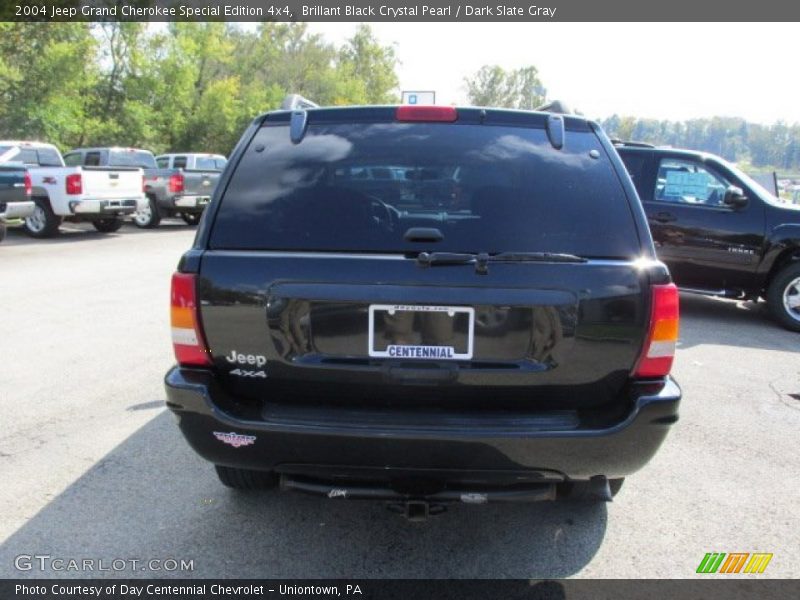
(783, 297)
(191, 218)
(43, 223)
(148, 217)
(245, 479)
(107, 225)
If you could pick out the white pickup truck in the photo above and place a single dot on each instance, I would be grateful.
(100, 195)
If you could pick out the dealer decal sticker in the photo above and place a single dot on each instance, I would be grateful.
(236, 440)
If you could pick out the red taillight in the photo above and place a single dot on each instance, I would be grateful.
(28, 184)
(659, 348)
(416, 112)
(176, 183)
(74, 184)
(187, 334)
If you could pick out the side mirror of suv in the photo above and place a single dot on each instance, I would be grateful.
(734, 197)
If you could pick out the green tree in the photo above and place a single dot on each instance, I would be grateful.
(492, 85)
(49, 72)
(363, 60)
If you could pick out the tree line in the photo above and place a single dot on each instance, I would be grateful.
(775, 146)
(195, 86)
(188, 87)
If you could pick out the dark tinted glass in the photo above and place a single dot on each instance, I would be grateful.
(361, 187)
(132, 158)
(179, 162)
(636, 165)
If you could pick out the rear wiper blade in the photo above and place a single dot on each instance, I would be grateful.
(537, 257)
(482, 259)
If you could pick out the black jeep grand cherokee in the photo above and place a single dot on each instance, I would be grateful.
(424, 304)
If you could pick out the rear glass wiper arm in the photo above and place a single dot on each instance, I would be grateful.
(482, 259)
(429, 259)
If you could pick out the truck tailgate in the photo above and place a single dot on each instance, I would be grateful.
(199, 183)
(111, 182)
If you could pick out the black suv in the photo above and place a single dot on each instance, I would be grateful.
(424, 304)
(719, 231)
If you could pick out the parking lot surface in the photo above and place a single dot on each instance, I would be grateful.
(93, 467)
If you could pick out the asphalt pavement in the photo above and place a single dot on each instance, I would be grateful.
(93, 468)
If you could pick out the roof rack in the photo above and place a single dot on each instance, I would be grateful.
(297, 102)
(556, 106)
(618, 142)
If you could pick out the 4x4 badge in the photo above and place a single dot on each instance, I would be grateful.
(235, 439)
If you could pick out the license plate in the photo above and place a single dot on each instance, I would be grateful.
(421, 332)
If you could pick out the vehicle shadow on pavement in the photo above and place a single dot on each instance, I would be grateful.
(153, 498)
(85, 232)
(707, 320)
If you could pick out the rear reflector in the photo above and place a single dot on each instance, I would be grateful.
(659, 348)
(428, 114)
(187, 334)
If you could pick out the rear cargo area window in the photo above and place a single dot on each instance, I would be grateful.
(360, 187)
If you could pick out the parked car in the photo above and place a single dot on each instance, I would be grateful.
(718, 230)
(192, 161)
(15, 191)
(326, 338)
(100, 195)
(175, 185)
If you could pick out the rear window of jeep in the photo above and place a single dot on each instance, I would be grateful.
(359, 187)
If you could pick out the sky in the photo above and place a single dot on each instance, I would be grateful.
(673, 71)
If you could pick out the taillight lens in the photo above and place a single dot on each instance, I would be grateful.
(187, 334)
(28, 184)
(74, 184)
(659, 348)
(428, 114)
(176, 183)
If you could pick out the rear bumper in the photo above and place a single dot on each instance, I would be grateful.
(192, 203)
(16, 210)
(124, 206)
(360, 446)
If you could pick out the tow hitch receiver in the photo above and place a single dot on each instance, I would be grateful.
(417, 507)
(416, 511)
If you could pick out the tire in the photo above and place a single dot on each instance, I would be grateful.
(43, 223)
(191, 218)
(245, 479)
(2, 231)
(783, 297)
(148, 218)
(580, 491)
(107, 225)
